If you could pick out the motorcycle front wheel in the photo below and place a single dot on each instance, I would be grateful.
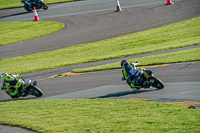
(35, 91)
(157, 83)
(44, 6)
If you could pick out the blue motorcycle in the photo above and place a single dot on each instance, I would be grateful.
(38, 4)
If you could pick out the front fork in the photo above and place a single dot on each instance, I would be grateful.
(26, 84)
(145, 80)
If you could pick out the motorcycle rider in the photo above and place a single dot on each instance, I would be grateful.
(30, 4)
(131, 74)
(11, 85)
(36, 0)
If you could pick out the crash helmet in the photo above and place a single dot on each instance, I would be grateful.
(3, 75)
(124, 62)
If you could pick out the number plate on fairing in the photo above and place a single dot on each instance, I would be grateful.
(146, 75)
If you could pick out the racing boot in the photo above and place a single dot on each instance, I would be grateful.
(23, 94)
(134, 86)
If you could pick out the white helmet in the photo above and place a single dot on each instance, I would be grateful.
(3, 75)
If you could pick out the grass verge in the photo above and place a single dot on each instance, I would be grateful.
(180, 56)
(12, 32)
(17, 3)
(99, 115)
(177, 35)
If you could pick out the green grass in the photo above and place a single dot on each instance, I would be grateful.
(99, 115)
(180, 56)
(12, 32)
(177, 35)
(17, 3)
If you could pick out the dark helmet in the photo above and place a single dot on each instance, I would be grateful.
(123, 62)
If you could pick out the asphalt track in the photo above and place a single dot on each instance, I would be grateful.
(93, 25)
(108, 84)
(92, 21)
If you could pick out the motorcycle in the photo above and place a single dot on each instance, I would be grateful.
(147, 79)
(38, 4)
(30, 88)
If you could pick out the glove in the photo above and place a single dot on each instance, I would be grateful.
(15, 75)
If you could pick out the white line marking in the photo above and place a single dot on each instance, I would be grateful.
(182, 93)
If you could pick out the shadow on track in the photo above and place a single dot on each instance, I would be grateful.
(17, 99)
(16, 14)
(19, 13)
(124, 93)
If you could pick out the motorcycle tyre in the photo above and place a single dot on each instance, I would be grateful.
(44, 6)
(26, 7)
(157, 83)
(35, 91)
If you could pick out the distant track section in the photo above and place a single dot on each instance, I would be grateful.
(95, 26)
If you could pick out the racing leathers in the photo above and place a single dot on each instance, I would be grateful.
(12, 86)
(131, 74)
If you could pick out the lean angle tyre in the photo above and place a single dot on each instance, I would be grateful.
(35, 91)
(157, 83)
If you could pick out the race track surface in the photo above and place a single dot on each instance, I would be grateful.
(95, 25)
(93, 20)
(181, 80)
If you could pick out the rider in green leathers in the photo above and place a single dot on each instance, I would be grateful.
(11, 85)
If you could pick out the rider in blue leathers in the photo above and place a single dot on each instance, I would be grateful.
(131, 74)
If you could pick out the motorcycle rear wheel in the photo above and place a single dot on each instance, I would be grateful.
(157, 83)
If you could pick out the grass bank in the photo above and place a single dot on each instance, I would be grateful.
(4, 4)
(12, 32)
(177, 35)
(180, 56)
(99, 115)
